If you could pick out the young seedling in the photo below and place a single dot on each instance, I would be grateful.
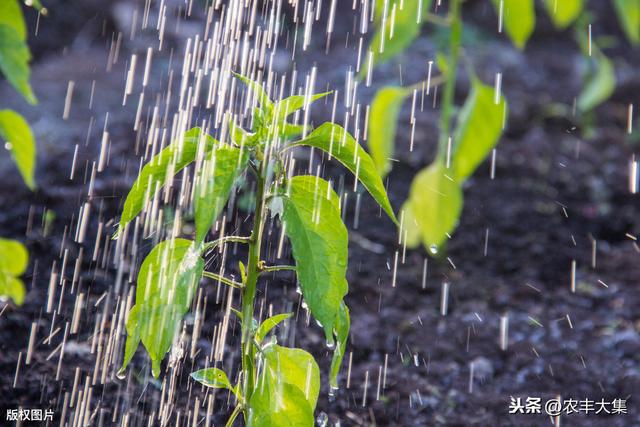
(277, 386)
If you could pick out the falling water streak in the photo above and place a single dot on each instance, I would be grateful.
(573, 276)
(444, 298)
(365, 388)
(424, 272)
(67, 100)
(504, 332)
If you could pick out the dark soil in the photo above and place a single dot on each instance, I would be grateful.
(561, 184)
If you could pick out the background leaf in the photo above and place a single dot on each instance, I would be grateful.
(13, 262)
(15, 130)
(563, 12)
(599, 85)
(14, 61)
(336, 141)
(518, 19)
(319, 243)
(162, 167)
(383, 118)
(212, 377)
(628, 12)
(11, 15)
(436, 202)
(478, 129)
(213, 186)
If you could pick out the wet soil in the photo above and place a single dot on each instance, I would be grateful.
(560, 195)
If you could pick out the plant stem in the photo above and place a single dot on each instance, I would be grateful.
(272, 268)
(223, 279)
(234, 415)
(450, 83)
(249, 293)
(222, 240)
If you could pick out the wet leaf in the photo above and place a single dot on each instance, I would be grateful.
(166, 283)
(319, 243)
(518, 19)
(161, 168)
(213, 186)
(261, 95)
(11, 15)
(343, 324)
(13, 262)
(383, 118)
(16, 133)
(599, 85)
(212, 377)
(628, 12)
(410, 230)
(563, 12)
(338, 143)
(436, 202)
(478, 129)
(270, 323)
(14, 61)
(293, 103)
(239, 136)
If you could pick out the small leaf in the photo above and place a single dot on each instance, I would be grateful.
(293, 103)
(214, 183)
(14, 61)
(628, 12)
(269, 324)
(563, 12)
(343, 324)
(13, 262)
(395, 33)
(436, 201)
(383, 118)
(166, 283)
(478, 129)
(15, 130)
(161, 168)
(599, 85)
(212, 377)
(239, 136)
(410, 230)
(336, 141)
(313, 224)
(519, 19)
(11, 15)
(261, 95)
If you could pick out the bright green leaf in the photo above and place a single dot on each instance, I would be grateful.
(166, 283)
(293, 366)
(263, 99)
(336, 141)
(436, 202)
(383, 118)
(600, 85)
(13, 262)
(563, 12)
(629, 16)
(239, 136)
(11, 15)
(214, 183)
(14, 61)
(293, 103)
(269, 324)
(11, 287)
(162, 168)
(478, 129)
(518, 18)
(212, 377)
(343, 324)
(410, 230)
(17, 134)
(313, 224)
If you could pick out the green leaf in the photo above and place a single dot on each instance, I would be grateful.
(628, 12)
(383, 118)
(336, 141)
(16, 132)
(13, 262)
(263, 99)
(212, 377)
(478, 129)
(239, 136)
(563, 12)
(162, 168)
(600, 85)
(293, 103)
(14, 61)
(11, 15)
(214, 183)
(436, 201)
(287, 389)
(343, 324)
(166, 283)
(410, 230)
(518, 18)
(269, 324)
(396, 34)
(312, 222)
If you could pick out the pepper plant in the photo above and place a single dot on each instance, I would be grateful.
(276, 385)
(16, 133)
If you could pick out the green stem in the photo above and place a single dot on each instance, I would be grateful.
(223, 240)
(450, 83)
(271, 268)
(249, 292)
(223, 279)
(234, 415)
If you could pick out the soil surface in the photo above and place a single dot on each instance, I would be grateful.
(560, 197)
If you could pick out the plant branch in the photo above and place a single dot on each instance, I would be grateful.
(223, 279)
(223, 240)
(272, 268)
(234, 415)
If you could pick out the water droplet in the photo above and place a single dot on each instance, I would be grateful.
(8, 146)
(433, 249)
(331, 343)
(298, 290)
(121, 374)
(322, 419)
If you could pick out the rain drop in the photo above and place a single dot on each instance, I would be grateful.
(322, 419)
(433, 249)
